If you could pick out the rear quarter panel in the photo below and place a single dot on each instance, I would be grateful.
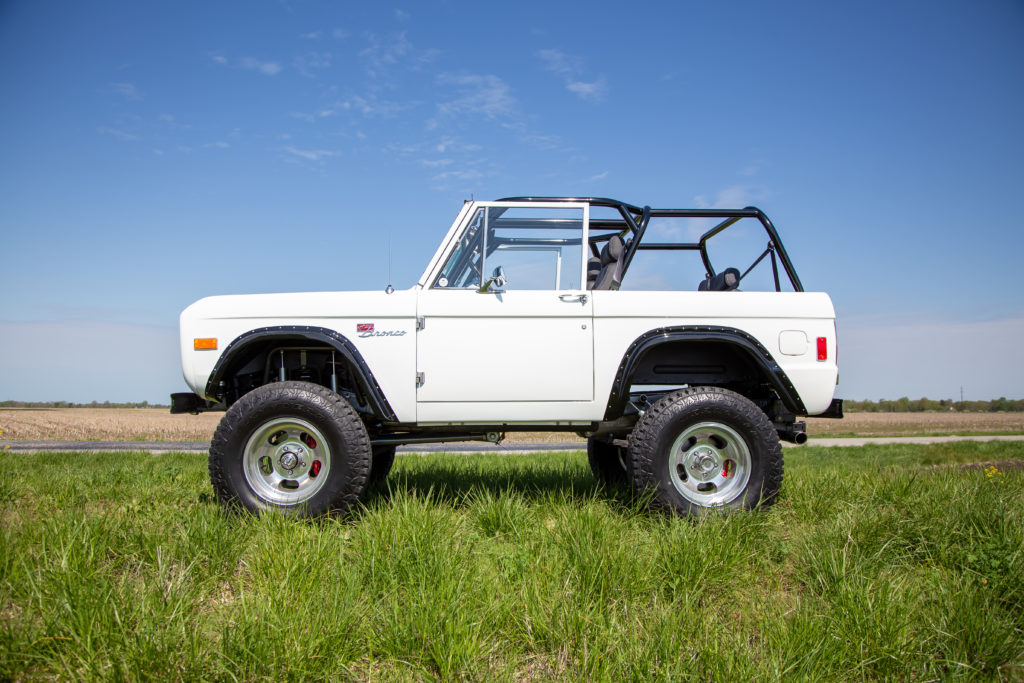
(620, 317)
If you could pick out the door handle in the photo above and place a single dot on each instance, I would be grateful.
(582, 298)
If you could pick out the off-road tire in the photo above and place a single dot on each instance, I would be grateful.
(347, 452)
(608, 462)
(718, 425)
(383, 461)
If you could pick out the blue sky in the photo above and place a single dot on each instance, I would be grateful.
(156, 153)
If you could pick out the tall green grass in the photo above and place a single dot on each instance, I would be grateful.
(888, 562)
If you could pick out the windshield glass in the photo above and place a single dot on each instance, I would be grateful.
(536, 248)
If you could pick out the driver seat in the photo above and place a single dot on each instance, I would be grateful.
(610, 276)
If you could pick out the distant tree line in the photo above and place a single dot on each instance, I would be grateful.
(925, 405)
(899, 405)
(70, 404)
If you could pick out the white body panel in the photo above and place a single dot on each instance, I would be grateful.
(392, 358)
(620, 317)
(519, 357)
(487, 349)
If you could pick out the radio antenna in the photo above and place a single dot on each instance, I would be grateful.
(389, 288)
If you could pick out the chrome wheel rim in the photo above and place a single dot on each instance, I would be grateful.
(286, 461)
(709, 464)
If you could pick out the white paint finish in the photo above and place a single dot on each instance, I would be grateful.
(486, 349)
(392, 359)
(793, 342)
(519, 357)
(621, 317)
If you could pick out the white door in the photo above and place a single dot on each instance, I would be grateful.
(527, 339)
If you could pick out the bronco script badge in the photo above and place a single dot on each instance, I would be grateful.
(366, 330)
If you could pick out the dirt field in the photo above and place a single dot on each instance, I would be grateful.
(149, 424)
(894, 424)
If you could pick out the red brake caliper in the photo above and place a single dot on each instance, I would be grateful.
(727, 468)
(315, 468)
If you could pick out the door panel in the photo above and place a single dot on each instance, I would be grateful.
(510, 346)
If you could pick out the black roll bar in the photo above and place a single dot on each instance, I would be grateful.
(631, 214)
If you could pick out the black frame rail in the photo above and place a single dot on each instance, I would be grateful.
(635, 220)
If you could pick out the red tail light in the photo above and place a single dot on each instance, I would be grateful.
(822, 348)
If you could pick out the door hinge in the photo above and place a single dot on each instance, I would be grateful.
(420, 323)
(420, 379)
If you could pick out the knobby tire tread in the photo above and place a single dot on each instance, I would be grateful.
(292, 396)
(643, 440)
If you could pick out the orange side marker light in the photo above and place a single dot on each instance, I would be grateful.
(204, 344)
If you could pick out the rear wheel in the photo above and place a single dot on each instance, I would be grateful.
(706, 448)
(292, 446)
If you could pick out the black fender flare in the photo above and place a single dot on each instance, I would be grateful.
(322, 335)
(754, 349)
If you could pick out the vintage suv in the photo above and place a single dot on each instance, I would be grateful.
(520, 323)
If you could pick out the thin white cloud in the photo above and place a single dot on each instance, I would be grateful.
(315, 115)
(482, 94)
(570, 69)
(560, 63)
(307, 63)
(595, 178)
(732, 197)
(126, 90)
(312, 35)
(594, 92)
(310, 154)
(384, 53)
(436, 163)
(340, 34)
(371, 105)
(173, 122)
(266, 68)
(117, 133)
(402, 16)
(752, 169)
(462, 174)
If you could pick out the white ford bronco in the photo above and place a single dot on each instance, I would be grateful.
(525, 319)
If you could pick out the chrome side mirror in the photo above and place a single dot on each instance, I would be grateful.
(497, 279)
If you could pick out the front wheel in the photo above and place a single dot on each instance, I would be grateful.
(292, 446)
(706, 448)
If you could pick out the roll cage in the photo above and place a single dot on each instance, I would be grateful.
(635, 219)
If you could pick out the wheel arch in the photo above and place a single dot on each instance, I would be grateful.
(705, 342)
(254, 343)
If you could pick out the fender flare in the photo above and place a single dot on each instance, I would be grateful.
(363, 375)
(754, 349)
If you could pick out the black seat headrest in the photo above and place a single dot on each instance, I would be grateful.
(612, 251)
(726, 281)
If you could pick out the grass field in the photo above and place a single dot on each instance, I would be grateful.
(149, 424)
(877, 563)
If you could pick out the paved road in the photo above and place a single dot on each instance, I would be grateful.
(157, 447)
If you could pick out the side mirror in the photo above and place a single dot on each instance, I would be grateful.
(497, 279)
